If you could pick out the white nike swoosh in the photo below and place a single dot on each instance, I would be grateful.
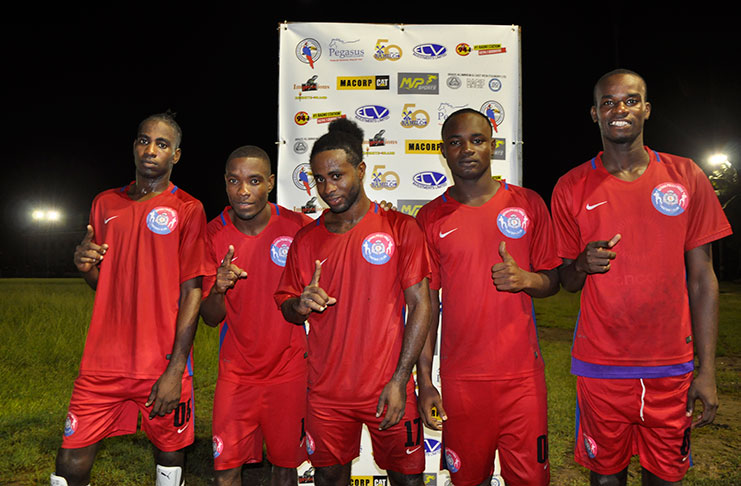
(105, 221)
(592, 206)
(416, 448)
(322, 262)
(443, 235)
(180, 431)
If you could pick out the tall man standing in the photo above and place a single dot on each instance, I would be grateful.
(634, 228)
(350, 275)
(144, 255)
(261, 389)
(491, 368)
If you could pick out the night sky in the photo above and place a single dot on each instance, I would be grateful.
(77, 81)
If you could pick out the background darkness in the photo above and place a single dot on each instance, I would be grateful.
(77, 80)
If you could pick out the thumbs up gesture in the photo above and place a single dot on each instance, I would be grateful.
(228, 273)
(507, 275)
(314, 298)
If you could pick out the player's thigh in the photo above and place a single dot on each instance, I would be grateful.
(663, 437)
(100, 407)
(332, 435)
(523, 440)
(471, 431)
(174, 430)
(283, 423)
(237, 436)
(399, 448)
(606, 409)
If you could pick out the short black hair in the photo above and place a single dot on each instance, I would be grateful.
(167, 117)
(250, 151)
(613, 73)
(344, 135)
(464, 111)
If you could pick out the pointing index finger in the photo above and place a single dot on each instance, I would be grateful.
(317, 273)
(228, 257)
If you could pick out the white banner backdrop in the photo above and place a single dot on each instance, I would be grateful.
(399, 83)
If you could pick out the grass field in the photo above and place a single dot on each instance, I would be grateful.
(42, 332)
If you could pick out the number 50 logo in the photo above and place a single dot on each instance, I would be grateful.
(386, 52)
(384, 179)
(414, 118)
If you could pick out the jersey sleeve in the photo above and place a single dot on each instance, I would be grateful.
(414, 263)
(433, 252)
(192, 250)
(707, 221)
(212, 259)
(291, 284)
(543, 254)
(566, 230)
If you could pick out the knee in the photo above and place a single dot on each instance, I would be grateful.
(399, 479)
(74, 466)
(618, 479)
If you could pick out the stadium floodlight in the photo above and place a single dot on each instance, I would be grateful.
(718, 160)
(46, 215)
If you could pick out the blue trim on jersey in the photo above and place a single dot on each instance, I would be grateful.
(445, 199)
(576, 328)
(506, 186)
(594, 165)
(174, 188)
(375, 208)
(124, 188)
(592, 370)
(535, 323)
(189, 365)
(277, 209)
(223, 219)
(222, 334)
(658, 159)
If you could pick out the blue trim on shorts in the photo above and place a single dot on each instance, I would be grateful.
(592, 370)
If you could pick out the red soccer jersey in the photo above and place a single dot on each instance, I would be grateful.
(637, 314)
(256, 345)
(487, 334)
(354, 345)
(154, 246)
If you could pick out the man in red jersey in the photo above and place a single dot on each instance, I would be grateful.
(144, 256)
(261, 389)
(491, 250)
(350, 274)
(634, 228)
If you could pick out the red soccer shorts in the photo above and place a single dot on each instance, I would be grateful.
(103, 407)
(617, 418)
(333, 437)
(245, 415)
(485, 416)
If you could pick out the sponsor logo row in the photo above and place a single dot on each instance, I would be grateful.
(406, 83)
(310, 51)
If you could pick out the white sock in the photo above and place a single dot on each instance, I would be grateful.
(169, 476)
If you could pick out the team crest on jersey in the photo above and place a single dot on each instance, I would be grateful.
(452, 460)
(378, 248)
(513, 222)
(70, 424)
(670, 198)
(279, 250)
(590, 446)
(218, 446)
(162, 220)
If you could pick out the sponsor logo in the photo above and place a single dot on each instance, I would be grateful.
(500, 149)
(413, 450)
(594, 206)
(300, 147)
(429, 479)
(327, 116)
(454, 82)
(411, 118)
(443, 235)
(383, 51)
(429, 180)
(383, 179)
(377, 140)
(452, 461)
(363, 82)
(301, 118)
(307, 477)
(487, 49)
(310, 444)
(419, 83)
(495, 84)
(105, 221)
(279, 250)
(303, 178)
(670, 198)
(369, 481)
(432, 447)
(463, 49)
(495, 112)
(410, 206)
(429, 51)
(444, 110)
(378, 248)
(308, 51)
(590, 446)
(182, 429)
(513, 222)
(218, 446)
(423, 147)
(70, 424)
(372, 113)
(162, 220)
(308, 208)
(340, 50)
